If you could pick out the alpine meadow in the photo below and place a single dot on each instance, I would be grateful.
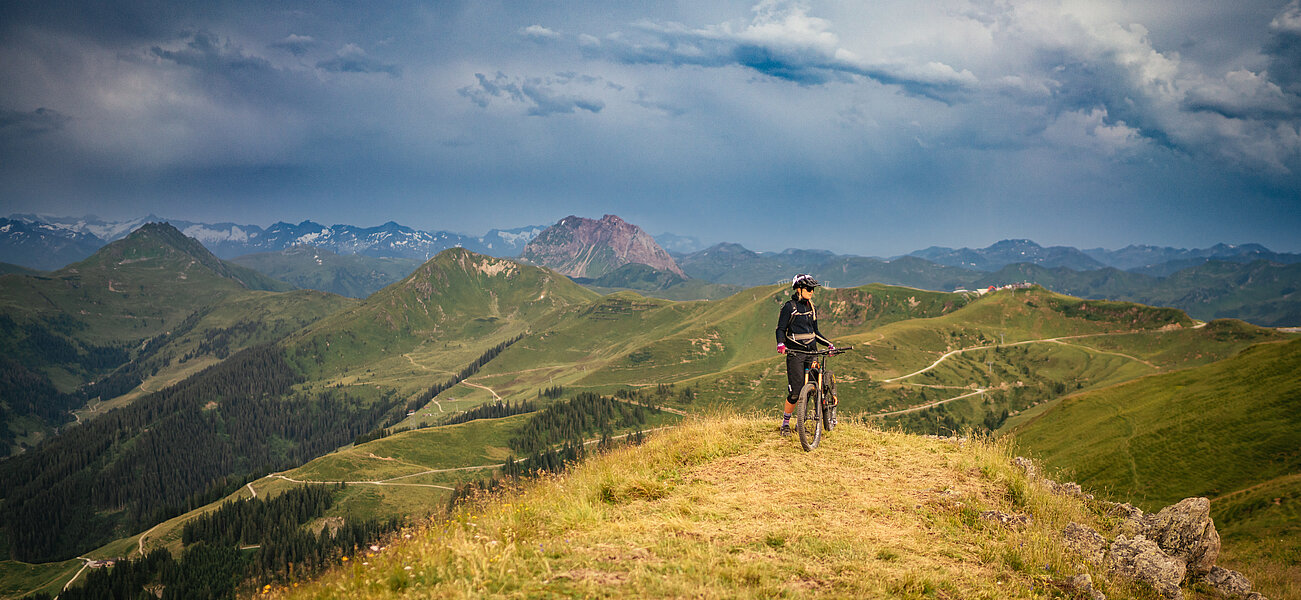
(487, 426)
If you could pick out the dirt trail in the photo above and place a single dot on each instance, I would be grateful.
(1056, 340)
(926, 406)
(483, 387)
(383, 482)
(85, 564)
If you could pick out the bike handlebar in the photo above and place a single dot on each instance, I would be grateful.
(827, 352)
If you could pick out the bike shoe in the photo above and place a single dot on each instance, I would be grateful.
(785, 430)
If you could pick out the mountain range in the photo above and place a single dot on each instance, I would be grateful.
(1239, 281)
(46, 243)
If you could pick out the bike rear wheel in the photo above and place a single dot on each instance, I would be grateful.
(809, 413)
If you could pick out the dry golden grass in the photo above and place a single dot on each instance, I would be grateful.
(722, 507)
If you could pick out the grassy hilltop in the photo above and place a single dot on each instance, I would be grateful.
(721, 508)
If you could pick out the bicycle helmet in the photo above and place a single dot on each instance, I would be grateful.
(804, 280)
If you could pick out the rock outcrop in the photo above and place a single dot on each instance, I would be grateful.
(1086, 542)
(1177, 545)
(1185, 531)
(1141, 559)
(580, 247)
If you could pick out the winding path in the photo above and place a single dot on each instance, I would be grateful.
(946, 355)
(1057, 340)
(926, 406)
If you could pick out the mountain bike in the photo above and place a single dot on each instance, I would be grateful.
(815, 410)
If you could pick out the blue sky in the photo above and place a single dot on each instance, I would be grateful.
(868, 128)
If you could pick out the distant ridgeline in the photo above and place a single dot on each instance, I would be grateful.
(1247, 282)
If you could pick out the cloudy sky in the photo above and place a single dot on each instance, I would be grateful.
(872, 128)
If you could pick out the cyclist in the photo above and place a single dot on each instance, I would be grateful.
(797, 331)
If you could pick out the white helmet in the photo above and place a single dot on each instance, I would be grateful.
(804, 280)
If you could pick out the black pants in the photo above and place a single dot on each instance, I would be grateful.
(796, 363)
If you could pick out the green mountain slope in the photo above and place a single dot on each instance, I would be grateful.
(1208, 431)
(208, 337)
(1230, 430)
(352, 275)
(64, 329)
(426, 327)
(735, 265)
(275, 407)
(9, 269)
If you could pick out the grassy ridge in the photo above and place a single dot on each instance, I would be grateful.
(714, 509)
(1204, 431)
(426, 327)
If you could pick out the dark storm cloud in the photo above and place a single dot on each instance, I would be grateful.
(295, 44)
(19, 124)
(538, 94)
(352, 59)
(789, 46)
(207, 52)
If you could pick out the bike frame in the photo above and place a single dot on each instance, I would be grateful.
(819, 414)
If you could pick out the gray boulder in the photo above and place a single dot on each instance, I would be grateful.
(1186, 532)
(1069, 488)
(1142, 560)
(1227, 583)
(1085, 542)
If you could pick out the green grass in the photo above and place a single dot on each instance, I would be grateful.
(1205, 431)
(19, 579)
(1260, 528)
(243, 320)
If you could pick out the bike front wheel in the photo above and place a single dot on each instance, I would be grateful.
(809, 412)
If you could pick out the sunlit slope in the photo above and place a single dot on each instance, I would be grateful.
(714, 509)
(1230, 430)
(428, 326)
(1204, 431)
(1031, 344)
(626, 339)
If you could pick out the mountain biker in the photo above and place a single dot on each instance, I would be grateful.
(797, 331)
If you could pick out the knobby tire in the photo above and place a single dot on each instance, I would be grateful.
(809, 412)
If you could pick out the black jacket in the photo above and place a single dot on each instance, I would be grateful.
(797, 327)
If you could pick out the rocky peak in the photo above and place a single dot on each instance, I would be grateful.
(580, 247)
